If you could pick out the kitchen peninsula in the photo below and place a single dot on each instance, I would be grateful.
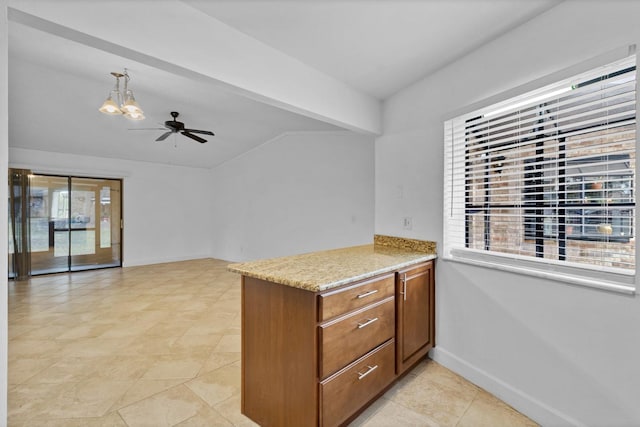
(325, 333)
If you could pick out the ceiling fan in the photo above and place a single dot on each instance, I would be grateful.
(174, 126)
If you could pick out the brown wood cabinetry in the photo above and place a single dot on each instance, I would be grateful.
(279, 384)
(347, 338)
(415, 310)
(319, 358)
(350, 389)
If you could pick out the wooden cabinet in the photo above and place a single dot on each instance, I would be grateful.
(279, 384)
(349, 337)
(344, 393)
(344, 299)
(319, 358)
(415, 309)
(356, 355)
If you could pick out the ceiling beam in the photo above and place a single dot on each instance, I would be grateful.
(179, 39)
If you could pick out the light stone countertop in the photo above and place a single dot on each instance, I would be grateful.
(319, 271)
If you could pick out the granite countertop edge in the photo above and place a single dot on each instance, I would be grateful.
(329, 285)
(403, 256)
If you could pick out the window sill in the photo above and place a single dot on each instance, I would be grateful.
(624, 285)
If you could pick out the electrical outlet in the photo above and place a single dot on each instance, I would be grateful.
(407, 223)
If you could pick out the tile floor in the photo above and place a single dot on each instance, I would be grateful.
(159, 345)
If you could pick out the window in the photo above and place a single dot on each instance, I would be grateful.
(544, 182)
(586, 198)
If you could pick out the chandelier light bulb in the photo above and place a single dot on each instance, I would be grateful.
(110, 107)
(135, 116)
(130, 105)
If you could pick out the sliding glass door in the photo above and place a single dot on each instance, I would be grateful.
(94, 230)
(48, 213)
(75, 223)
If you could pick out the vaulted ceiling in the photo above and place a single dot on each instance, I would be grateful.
(248, 70)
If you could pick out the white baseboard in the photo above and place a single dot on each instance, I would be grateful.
(528, 405)
(148, 261)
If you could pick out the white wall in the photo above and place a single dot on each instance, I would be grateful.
(4, 147)
(166, 209)
(562, 354)
(297, 193)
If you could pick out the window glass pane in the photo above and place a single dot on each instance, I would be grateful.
(95, 219)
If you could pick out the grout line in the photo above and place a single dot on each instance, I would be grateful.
(475, 396)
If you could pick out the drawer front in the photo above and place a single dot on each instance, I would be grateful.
(346, 392)
(347, 338)
(338, 302)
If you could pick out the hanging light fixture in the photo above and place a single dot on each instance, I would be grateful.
(122, 103)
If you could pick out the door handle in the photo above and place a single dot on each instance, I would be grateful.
(404, 287)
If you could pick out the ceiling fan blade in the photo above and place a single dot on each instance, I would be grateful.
(206, 132)
(146, 129)
(164, 136)
(197, 138)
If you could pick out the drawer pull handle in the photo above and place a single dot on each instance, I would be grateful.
(367, 323)
(370, 369)
(366, 294)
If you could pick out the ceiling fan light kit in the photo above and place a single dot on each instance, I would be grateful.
(122, 104)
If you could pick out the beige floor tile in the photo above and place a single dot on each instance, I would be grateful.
(230, 409)
(208, 417)
(223, 310)
(217, 360)
(167, 408)
(169, 328)
(28, 348)
(94, 347)
(110, 420)
(165, 306)
(217, 386)
(71, 369)
(211, 324)
(168, 367)
(441, 404)
(392, 414)
(228, 344)
(20, 370)
(148, 345)
(123, 367)
(233, 330)
(488, 411)
(85, 331)
(436, 373)
(195, 345)
(124, 306)
(127, 330)
(199, 306)
(91, 398)
(16, 328)
(143, 389)
(27, 401)
(369, 412)
(160, 345)
(32, 332)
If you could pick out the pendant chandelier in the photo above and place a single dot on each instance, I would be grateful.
(122, 103)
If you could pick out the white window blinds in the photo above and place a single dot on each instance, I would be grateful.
(548, 177)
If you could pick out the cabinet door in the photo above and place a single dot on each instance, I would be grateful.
(416, 314)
